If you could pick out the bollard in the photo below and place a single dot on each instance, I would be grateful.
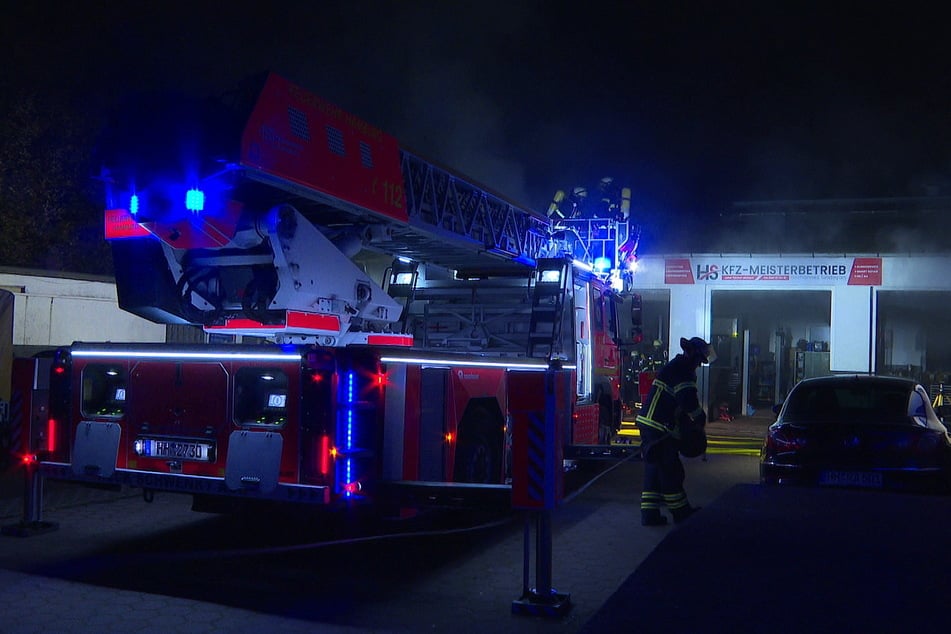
(32, 522)
(537, 484)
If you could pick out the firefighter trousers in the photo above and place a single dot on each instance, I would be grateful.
(663, 476)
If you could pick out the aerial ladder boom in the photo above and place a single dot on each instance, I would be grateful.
(266, 245)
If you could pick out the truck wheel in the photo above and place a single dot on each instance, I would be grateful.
(476, 460)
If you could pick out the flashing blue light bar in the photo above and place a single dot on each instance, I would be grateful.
(195, 200)
(350, 400)
(134, 204)
(602, 264)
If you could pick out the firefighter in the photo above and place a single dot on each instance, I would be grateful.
(670, 406)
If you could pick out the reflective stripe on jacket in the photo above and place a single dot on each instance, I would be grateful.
(673, 391)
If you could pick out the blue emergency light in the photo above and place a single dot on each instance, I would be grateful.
(602, 264)
(134, 204)
(195, 200)
(350, 399)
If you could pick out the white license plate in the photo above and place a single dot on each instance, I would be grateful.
(869, 479)
(174, 449)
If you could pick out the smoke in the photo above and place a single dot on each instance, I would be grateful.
(692, 110)
(901, 225)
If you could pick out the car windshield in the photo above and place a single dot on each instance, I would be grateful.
(853, 402)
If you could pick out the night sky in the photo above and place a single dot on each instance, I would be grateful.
(692, 105)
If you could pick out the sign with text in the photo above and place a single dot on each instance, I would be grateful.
(819, 271)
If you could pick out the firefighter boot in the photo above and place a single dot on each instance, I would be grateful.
(682, 513)
(652, 517)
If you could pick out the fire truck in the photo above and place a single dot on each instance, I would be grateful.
(365, 314)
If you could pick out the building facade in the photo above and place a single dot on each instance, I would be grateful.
(778, 318)
(40, 310)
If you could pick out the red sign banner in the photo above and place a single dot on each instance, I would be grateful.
(677, 271)
(866, 272)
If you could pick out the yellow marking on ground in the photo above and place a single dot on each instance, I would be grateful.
(716, 445)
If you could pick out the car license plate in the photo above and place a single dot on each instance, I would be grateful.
(175, 449)
(868, 479)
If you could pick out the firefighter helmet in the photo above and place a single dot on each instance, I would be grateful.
(696, 345)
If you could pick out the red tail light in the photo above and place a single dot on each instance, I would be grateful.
(324, 454)
(51, 435)
(785, 439)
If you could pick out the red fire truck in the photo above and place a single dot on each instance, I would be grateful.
(364, 315)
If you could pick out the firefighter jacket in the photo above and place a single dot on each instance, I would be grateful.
(672, 395)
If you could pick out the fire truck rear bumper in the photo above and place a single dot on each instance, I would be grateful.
(191, 484)
(457, 495)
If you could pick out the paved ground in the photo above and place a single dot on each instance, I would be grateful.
(792, 560)
(597, 544)
(771, 560)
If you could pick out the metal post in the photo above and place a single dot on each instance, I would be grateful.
(32, 522)
(526, 555)
(543, 550)
(32, 495)
(543, 600)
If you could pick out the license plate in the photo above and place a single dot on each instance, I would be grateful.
(868, 479)
(174, 449)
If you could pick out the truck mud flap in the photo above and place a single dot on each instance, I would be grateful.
(254, 461)
(95, 449)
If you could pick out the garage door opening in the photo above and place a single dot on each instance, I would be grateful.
(912, 339)
(766, 342)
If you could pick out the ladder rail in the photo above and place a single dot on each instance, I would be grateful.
(441, 201)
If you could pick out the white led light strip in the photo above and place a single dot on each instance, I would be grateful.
(471, 364)
(239, 356)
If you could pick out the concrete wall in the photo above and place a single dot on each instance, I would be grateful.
(54, 311)
(49, 310)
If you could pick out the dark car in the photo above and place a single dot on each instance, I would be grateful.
(858, 431)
